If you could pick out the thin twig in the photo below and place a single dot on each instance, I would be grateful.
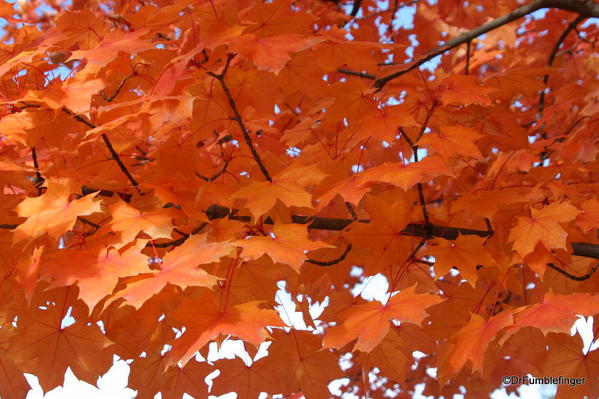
(572, 276)
(419, 186)
(334, 261)
(376, 14)
(79, 118)
(85, 190)
(88, 222)
(571, 26)
(8, 226)
(39, 180)
(118, 160)
(115, 155)
(390, 27)
(424, 262)
(95, 226)
(364, 75)
(468, 57)
(118, 89)
(351, 210)
(429, 114)
(221, 78)
(356, 8)
(216, 175)
(178, 241)
(489, 229)
(547, 151)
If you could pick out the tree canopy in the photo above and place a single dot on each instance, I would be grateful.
(167, 164)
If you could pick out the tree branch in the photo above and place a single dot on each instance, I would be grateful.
(587, 250)
(586, 8)
(583, 249)
(246, 135)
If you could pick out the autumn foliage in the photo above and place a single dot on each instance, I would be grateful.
(167, 164)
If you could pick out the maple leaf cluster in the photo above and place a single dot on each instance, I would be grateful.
(166, 163)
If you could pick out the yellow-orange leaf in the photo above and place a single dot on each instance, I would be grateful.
(464, 89)
(369, 322)
(384, 122)
(287, 186)
(96, 280)
(465, 253)
(471, 342)
(271, 53)
(52, 212)
(544, 226)
(205, 319)
(405, 175)
(556, 313)
(114, 43)
(129, 221)
(178, 267)
(453, 141)
(287, 244)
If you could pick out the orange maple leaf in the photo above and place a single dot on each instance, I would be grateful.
(453, 141)
(204, 319)
(178, 267)
(369, 322)
(543, 226)
(309, 367)
(464, 89)
(465, 253)
(405, 175)
(287, 186)
(246, 381)
(52, 212)
(589, 218)
(29, 268)
(288, 244)
(471, 342)
(383, 123)
(565, 358)
(556, 313)
(74, 94)
(173, 382)
(271, 53)
(96, 280)
(48, 348)
(113, 44)
(129, 221)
